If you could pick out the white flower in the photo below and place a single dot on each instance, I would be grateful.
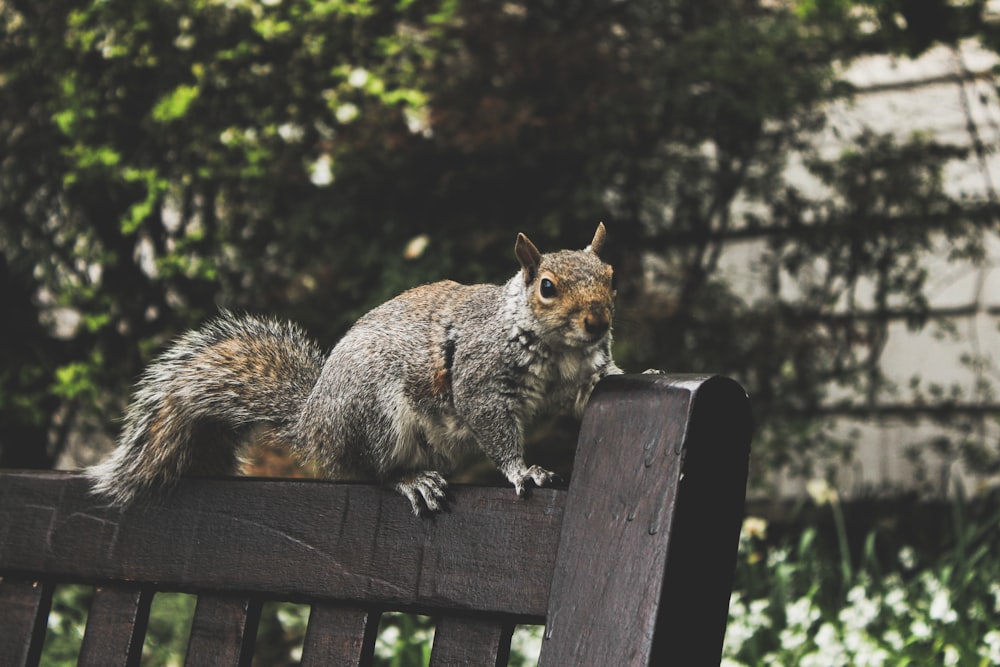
(729, 662)
(290, 132)
(990, 650)
(865, 651)
(753, 527)
(854, 640)
(229, 136)
(737, 634)
(385, 645)
(776, 557)
(941, 607)
(737, 630)
(801, 613)
(54, 620)
(830, 652)
(791, 639)
(894, 640)
(951, 656)
(995, 592)
(184, 41)
(895, 600)
(744, 622)
(822, 492)
(424, 636)
(321, 171)
(860, 612)
(527, 642)
(358, 77)
(931, 583)
(826, 637)
(346, 112)
(418, 121)
(920, 629)
(907, 558)
(758, 617)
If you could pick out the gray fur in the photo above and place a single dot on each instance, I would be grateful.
(412, 388)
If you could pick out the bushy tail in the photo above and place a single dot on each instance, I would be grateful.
(194, 402)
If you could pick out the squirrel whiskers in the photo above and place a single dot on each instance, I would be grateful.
(415, 385)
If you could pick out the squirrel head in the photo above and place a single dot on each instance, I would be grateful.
(570, 292)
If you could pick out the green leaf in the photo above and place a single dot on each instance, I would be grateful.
(74, 380)
(175, 104)
(65, 120)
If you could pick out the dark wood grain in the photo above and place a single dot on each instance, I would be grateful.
(291, 540)
(608, 585)
(24, 608)
(460, 641)
(339, 636)
(116, 626)
(632, 565)
(701, 564)
(223, 631)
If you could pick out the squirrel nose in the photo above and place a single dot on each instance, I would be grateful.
(596, 324)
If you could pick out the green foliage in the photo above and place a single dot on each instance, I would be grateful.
(800, 602)
(66, 624)
(280, 634)
(75, 380)
(163, 158)
(404, 640)
(169, 628)
(166, 638)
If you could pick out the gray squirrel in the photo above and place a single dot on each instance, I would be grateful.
(415, 385)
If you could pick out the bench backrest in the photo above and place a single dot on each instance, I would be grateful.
(632, 565)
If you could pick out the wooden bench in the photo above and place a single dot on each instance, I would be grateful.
(632, 565)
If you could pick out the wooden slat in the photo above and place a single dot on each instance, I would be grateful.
(291, 540)
(607, 587)
(470, 641)
(701, 564)
(339, 636)
(223, 631)
(24, 609)
(638, 554)
(116, 626)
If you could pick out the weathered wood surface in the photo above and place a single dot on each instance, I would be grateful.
(471, 641)
(632, 566)
(658, 484)
(223, 631)
(116, 626)
(290, 540)
(24, 608)
(339, 636)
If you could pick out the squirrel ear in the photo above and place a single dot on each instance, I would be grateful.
(598, 243)
(528, 256)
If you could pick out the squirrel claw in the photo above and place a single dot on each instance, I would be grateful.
(533, 476)
(426, 490)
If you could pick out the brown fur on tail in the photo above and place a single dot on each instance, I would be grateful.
(194, 403)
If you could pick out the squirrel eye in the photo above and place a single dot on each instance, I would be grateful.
(547, 289)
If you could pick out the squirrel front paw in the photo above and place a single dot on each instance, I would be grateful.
(524, 479)
(426, 490)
